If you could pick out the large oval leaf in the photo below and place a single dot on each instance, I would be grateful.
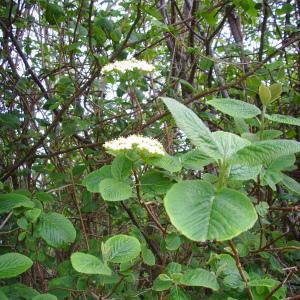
(56, 230)
(235, 108)
(193, 127)
(13, 200)
(89, 264)
(114, 190)
(201, 213)
(265, 152)
(13, 264)
(121, 248)
(200, 277)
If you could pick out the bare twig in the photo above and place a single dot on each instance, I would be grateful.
(240, 268)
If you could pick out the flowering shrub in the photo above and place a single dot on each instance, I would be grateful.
(149, 150)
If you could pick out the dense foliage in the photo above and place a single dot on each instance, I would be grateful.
(149, 149)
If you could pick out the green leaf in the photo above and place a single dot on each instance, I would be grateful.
(229, 143)
(201, 213)
(121, 167)
(173, 241)
(195, 160)
(113, 190)
(242, 172)
(45, 297)
(19, 291)
(92, 181)
(284, 119)
(121, 248)
(56, 230)
(13, 200)
(200, 277)
(235, 108)
(268, 282)
(148, 257)
(162, 282)
(276, 90)
(167, 162)
(177, 293)
(265, 152)
(13, 264)
(89, 264)
(33, 214)
(283, 163)
(193, 127)
(264, 94)
(155, 182)
(267, 135)
(291, 184)
(271, 178)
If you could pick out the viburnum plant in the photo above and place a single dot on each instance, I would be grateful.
(221, 211)
(149, 150)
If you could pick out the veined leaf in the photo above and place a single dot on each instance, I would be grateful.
(264, 94)
(193, 127)
(114, 190)
(229, 143)
(13, 264)
(265, 152)
(235, 108)
(200, 277)
(162, 282)
(276, 90)
(201, 213)
(13, 200)
(121, 248)
(154, 182)
(283, 119)
(92, 181)
(89, 264)
(291, 184)
(195, 159)
(167, 162)
(283, 163)
(121, 167)
(267, 135)
(242, 172)
(56, 230)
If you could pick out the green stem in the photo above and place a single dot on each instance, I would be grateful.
(262, 124)
(223, 174)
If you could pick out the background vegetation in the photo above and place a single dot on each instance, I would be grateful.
(78, 224)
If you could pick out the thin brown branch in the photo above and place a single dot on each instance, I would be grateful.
(240, 268)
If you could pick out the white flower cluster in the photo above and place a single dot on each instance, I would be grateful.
(136, 142)
(128, 65)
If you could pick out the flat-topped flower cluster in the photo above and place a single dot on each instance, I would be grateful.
(139, 143)
(123, 66)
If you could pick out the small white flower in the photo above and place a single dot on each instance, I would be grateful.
(145, 145)
(123, 66)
